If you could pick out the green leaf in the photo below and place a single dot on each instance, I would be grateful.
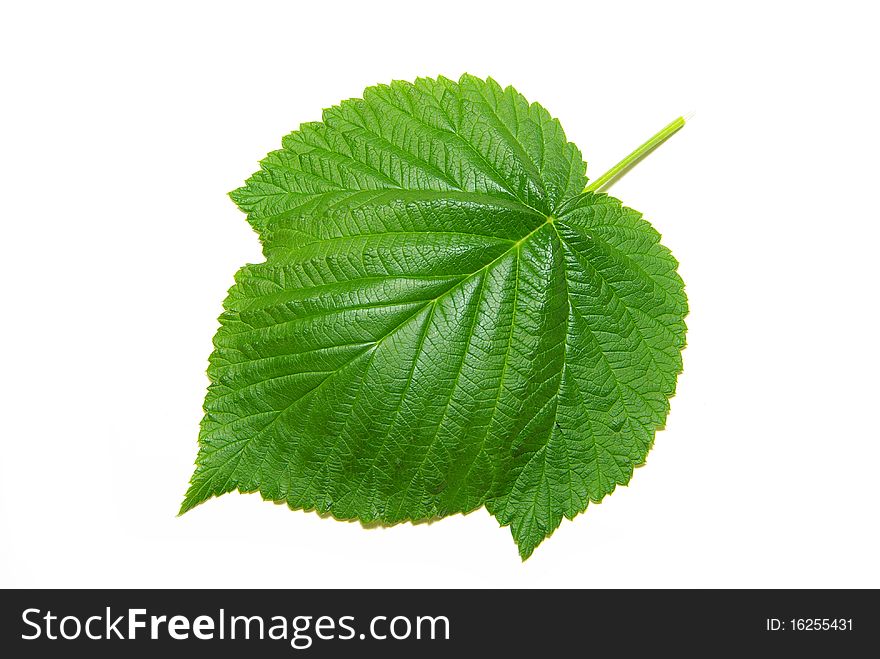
(444, 320)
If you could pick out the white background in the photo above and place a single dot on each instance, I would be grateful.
(123, 128)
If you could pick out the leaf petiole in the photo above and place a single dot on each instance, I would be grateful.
(621, 168)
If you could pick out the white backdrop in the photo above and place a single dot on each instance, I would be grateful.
(123, 128)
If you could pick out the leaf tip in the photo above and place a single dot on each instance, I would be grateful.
(186, 505)
(237, 195)
(193, 497)
(525, 552)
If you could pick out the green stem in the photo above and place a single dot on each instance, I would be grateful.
(635, 157)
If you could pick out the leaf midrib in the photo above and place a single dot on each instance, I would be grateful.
(374, 345)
